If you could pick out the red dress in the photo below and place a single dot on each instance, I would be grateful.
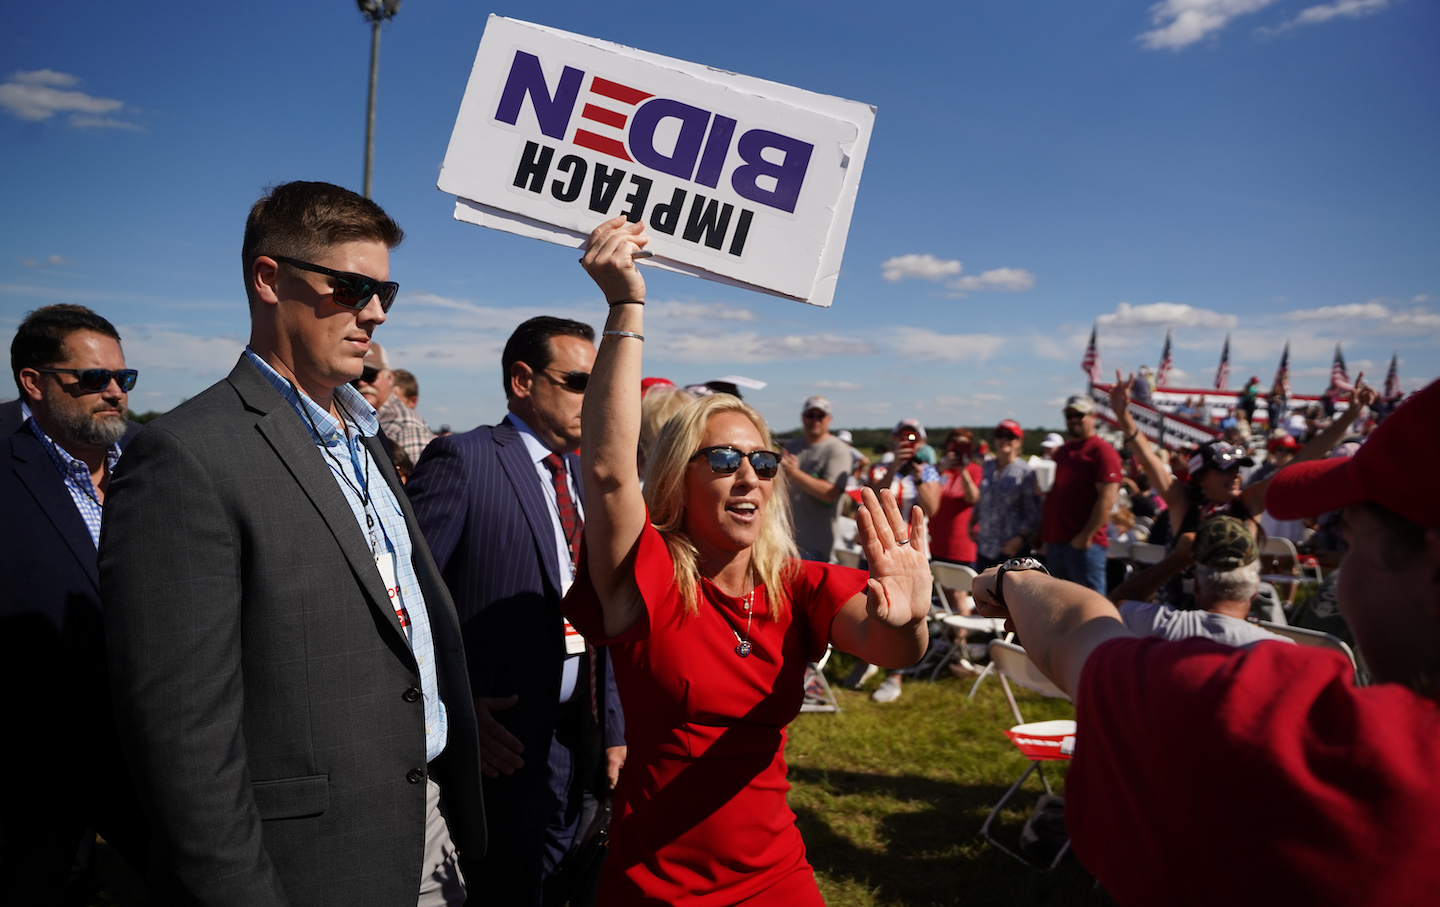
(700, 813)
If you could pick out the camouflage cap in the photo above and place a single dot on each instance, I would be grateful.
(1223, 543)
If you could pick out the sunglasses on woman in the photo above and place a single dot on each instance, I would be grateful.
(352, 291)
(725, 461)
(95, 380)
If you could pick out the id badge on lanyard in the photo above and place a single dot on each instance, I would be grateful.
(574, 642)
(385, 563)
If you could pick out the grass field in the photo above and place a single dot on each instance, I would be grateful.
(890, 799)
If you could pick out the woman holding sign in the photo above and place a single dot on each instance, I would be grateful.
(711, 619)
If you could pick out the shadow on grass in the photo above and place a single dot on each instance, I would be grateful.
(932, 853)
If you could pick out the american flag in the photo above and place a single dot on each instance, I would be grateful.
(1222, 374)
(1282, 374)
(1090, 365)
(1392, 379)
(1167, 362)
(1339, 379)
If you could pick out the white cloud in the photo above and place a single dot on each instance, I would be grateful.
(1166, 314)
(1370, 309)
(1011, 279)
(54, 261)
(1180, 23)
(38, 95)
(749, 346)
(921, 343)
(918, 267)
(1341, 9)
(1378, 315)
(928, 267)
(828, 385)
(698, 311)
(168, 349)
(1420, 297)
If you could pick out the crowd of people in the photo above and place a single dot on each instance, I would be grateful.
(297, 648)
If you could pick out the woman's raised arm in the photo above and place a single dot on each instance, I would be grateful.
(610, 423)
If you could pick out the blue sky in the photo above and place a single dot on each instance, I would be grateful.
(1265, 168)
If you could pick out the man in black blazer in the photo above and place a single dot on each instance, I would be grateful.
(54, 475)
(491, 506)
(289, 677)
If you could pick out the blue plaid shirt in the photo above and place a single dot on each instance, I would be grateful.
(343, 453)
(77, 477)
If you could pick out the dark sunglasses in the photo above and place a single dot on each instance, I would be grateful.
(95, 380)
(575, 381)
(1221, 458)
(814, 414)
(725, 461)
(352, 291)
(368, 374)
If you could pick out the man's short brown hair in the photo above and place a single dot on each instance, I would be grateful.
(406, 384)
(302, 220)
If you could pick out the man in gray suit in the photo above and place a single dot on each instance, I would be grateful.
(289, 676)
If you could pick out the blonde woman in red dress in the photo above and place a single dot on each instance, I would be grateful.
(711, 619)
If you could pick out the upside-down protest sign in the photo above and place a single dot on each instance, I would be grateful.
(738, 179)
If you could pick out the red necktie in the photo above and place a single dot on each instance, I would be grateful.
(571, 525)
(570, 522)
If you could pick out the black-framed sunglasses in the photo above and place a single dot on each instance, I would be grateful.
(352, 291)
(725, 460)
(95, 380)
(575, 381)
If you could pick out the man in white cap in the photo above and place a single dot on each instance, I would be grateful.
(1281, 753)
(816, 466)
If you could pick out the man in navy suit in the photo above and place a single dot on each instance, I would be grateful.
(499, 507)
(62, 761)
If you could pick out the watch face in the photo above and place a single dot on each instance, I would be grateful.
(1023, 563)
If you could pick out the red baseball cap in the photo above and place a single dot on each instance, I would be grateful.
(647, 383)
(1383, 471)
(1012, 427)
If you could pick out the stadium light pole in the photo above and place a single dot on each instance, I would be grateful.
(376, 11)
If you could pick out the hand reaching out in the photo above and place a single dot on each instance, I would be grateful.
(900, 582)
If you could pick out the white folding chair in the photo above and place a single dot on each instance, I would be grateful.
(958, 578)
(818, 695)
(847, 558)
(1319, 640)
(1144, 554)
(1040, 741)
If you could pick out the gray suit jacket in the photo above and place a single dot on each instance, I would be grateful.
(265, 691)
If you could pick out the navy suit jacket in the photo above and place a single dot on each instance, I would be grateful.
(52, 642)
(479, 501)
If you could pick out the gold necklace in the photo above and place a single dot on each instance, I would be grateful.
(743, 649)
(743, 646)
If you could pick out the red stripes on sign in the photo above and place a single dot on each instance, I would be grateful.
(604, 116)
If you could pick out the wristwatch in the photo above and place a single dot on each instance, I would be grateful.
(1015, 563)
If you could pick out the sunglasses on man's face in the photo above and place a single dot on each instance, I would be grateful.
(814, 414)
(575, 381)
(95, 380)
(351, 290)
(725, 461)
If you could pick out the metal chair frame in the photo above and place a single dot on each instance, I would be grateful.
(1011, 663)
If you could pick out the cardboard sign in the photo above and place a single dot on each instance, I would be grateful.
(739, 180)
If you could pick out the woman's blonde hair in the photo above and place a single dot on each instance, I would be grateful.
(656, 408)
(774, 549)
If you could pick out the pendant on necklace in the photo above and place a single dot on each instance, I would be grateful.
(743, 650)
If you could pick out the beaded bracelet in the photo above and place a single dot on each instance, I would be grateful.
(627, 302)
(622, 334)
